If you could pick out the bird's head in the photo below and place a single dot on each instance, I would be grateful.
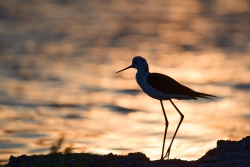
(139, 63)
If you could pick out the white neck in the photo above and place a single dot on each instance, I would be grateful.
(141, 78)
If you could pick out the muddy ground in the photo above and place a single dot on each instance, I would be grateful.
(226, 154)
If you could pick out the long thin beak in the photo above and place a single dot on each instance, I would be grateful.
(124, 69)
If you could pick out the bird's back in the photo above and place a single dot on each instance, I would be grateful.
(168, 85)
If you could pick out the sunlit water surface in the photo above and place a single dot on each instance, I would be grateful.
(57, 75)
(100, 111)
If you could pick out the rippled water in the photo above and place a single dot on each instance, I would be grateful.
(57, 73)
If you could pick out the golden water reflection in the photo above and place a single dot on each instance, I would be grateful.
(57, 75)
(113, 115)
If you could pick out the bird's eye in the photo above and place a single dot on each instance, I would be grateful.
(135, 62)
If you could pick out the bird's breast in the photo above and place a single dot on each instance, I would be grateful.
(141, 79)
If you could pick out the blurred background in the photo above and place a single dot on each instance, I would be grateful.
(58, 60)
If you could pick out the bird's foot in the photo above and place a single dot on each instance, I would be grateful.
(167, 153)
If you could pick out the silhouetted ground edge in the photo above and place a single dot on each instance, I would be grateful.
(226, 154)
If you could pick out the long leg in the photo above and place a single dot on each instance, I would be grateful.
(182, 117)
(166, 128)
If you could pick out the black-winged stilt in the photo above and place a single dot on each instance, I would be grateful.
(163, 87)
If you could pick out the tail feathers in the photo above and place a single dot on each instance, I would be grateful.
(205, 96)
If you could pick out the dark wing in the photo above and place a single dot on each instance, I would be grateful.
(168, 85)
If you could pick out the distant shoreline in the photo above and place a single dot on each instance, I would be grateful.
(226, 154)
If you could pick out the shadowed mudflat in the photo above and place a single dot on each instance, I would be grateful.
(227, 153)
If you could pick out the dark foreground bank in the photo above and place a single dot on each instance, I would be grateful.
(226, 154)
